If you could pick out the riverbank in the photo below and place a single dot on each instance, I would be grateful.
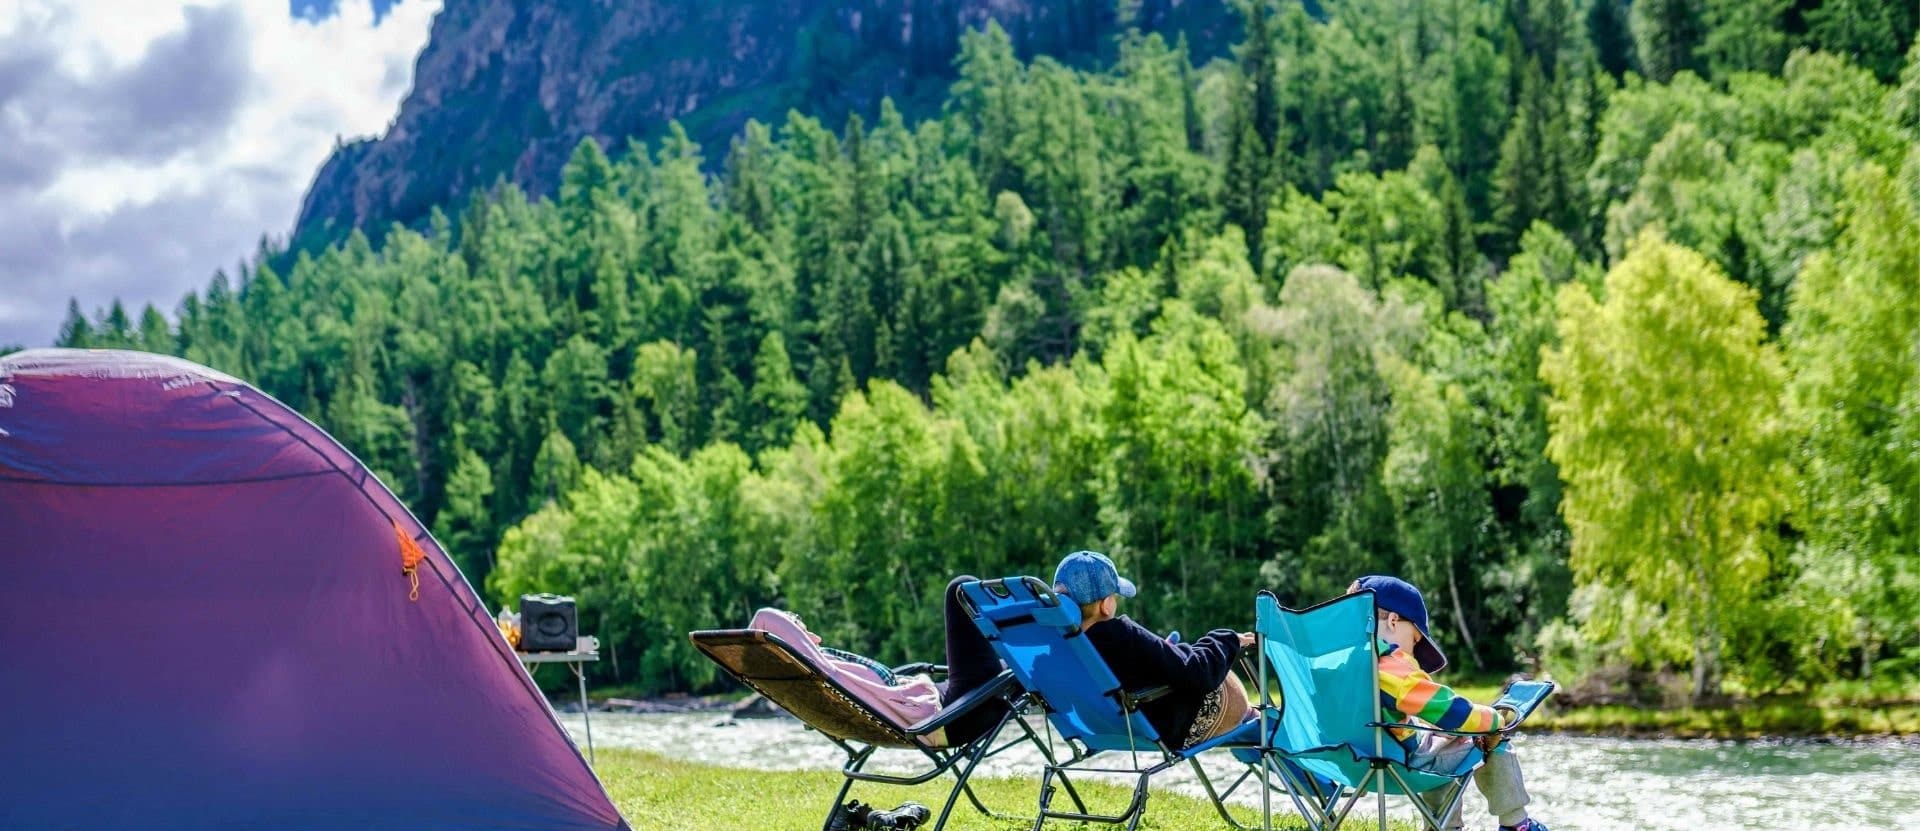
(1642, 783)
(656, 792)
(1838, 715)
(1835, 713)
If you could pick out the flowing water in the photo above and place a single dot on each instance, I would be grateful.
(1578, 784)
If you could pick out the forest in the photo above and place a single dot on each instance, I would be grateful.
(1601, 325)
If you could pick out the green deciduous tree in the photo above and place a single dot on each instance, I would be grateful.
(1666, 429)
(1853, 343)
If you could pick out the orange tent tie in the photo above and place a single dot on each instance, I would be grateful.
(410, 557)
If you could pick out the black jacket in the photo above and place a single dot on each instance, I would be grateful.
(1143, 660)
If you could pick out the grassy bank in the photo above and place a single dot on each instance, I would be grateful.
(1838, 711)
(657, 793)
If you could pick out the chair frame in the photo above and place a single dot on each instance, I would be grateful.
(1322, 808)
(960, 760)
(1084, 757)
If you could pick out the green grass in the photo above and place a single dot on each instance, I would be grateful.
(656, 793)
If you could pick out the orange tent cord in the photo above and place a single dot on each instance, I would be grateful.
(410, 557)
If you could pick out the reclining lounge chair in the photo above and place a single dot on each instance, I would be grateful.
(1038, 637)
(788, 676)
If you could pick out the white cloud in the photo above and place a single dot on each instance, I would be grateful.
(145, 143)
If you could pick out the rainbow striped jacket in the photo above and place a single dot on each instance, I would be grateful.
(1407, 691)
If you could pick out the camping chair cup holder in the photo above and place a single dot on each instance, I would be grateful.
(770, 666)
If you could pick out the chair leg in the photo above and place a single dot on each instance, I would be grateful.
(1315, 808)
(855, 761)
(1453, 794)
(1266, 788)
(1359, 790)
(1219, 798)
(981, 746)
(1046, 752)
(1046, 798)
(1139, 808)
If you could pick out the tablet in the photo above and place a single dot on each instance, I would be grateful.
(1523, 697)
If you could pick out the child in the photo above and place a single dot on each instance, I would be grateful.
(1205, 699)
(1407, 656)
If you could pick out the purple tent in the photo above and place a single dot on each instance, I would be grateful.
(208, 625)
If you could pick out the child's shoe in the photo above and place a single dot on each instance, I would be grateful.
(1528, 824)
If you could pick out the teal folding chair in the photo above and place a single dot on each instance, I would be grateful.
(1324, 660)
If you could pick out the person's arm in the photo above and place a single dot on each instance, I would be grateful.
(1197, 666)
(1414, 693)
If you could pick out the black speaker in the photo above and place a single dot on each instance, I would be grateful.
(547, 623)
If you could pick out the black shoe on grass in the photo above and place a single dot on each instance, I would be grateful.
(904, 818)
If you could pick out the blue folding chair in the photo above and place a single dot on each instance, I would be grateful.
(1039, 639)
(1324, 660)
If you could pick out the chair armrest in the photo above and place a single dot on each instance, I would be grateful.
(921, 668)
(1521, 699)
(1402, 725)
(1001, 688)
(1131, 701)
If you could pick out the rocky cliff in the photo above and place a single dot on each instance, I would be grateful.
(507, 88)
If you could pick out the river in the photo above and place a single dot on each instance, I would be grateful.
(1578, 784)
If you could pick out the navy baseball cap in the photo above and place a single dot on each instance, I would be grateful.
(1392, 594)
(1087, 576)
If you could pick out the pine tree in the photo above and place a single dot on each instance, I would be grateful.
(465, 524)
(115, 328)
(555, 469)
(155, 335)
(779, 399)
(76, 331)
(1667, 35)
(1744, 36)
(1253, 131)
(1612, 36)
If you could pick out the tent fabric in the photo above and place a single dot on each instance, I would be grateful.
(207, 626)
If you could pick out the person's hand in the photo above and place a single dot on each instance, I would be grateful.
(1246, 640)
(1490, 741)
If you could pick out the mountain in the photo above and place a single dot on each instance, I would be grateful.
(507, 88)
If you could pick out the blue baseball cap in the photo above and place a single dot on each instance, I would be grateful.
(1087, 576)
(1392, 594)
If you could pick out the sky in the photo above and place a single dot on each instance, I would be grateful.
(146, 143)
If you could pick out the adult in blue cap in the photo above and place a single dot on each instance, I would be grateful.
(1204, 701)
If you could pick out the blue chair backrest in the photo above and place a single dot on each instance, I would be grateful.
(1325, 661)
(1037, 633)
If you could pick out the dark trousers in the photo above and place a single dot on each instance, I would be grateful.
(970, 665)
